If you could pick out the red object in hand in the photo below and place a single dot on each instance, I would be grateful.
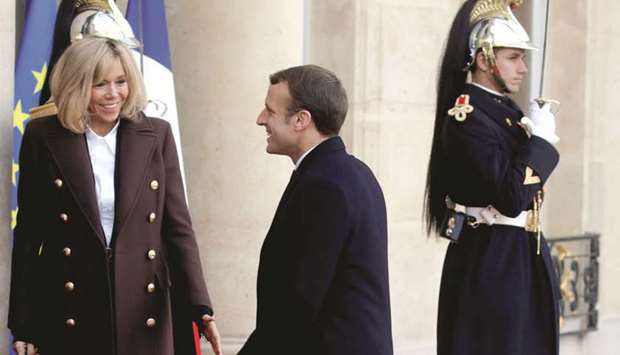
(196, 338)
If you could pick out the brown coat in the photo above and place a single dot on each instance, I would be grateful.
(68, 294)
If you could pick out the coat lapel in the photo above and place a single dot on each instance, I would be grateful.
(135, 146)
(70, 152)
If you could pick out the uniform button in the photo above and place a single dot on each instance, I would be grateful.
(152, 217)
(69, 286)
(58, 183)
(151, 322)
(151, 254)
(150, 288)
(64, 217)
(70, 322)
(67, 251)
(154, 185)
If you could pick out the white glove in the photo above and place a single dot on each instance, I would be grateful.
(541, 122)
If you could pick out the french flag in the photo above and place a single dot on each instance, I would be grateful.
(148, 21)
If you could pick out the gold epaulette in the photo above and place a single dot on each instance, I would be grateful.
(47, 109)
(461, 108)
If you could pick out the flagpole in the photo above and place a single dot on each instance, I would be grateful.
(141, 36)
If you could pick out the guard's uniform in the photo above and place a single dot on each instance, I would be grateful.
(497, 295)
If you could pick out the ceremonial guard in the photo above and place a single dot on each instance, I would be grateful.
(488, 165)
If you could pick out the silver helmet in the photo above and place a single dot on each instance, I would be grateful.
(101, 18)
(494, 25)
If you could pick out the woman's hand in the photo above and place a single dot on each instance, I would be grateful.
(23, 348)
(211, 333)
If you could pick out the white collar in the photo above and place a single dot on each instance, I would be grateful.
(109, 138)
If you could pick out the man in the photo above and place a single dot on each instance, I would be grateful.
(486, 174)
(323, 275)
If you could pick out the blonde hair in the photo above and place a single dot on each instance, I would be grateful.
(83, 63)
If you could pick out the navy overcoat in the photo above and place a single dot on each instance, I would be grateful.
(323, 273)
(497, 295)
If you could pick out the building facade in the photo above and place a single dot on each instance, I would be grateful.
(387, 54)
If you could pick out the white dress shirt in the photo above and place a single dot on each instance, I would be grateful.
(102, 151)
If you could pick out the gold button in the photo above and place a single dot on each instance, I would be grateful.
(151, 254)
(69, 286)
(150, 288)
(70, 322)
(58, 183)
(67, 251)
(152, 217)
(154, 185)
(150, 322)
(64, 217)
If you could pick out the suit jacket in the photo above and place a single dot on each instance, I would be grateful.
(69, 293)
(323, 273)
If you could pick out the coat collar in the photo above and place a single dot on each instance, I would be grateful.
(135, 145)
(499, 108)
(326, 147)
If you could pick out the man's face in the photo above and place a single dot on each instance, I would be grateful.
(280, 126)
(511, 66)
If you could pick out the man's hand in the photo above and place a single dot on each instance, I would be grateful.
(211, 333)
(541, 122)
(23, 348)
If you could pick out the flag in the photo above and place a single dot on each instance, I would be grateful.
(30, 72)
(148, 21)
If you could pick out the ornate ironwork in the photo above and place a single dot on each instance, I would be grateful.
(576, 263)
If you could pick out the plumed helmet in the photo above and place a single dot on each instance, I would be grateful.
(494, 25)
(101, 18)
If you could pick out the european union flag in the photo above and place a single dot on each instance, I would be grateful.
(30, 73)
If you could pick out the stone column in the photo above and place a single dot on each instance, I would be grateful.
(601, 159)
(222, 54)
(7, 65)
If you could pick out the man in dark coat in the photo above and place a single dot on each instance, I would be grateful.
(323, 275)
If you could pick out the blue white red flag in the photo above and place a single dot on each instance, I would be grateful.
(148, 21)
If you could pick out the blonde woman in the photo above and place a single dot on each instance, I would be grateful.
(103, 230)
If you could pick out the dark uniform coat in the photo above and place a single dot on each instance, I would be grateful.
(323, 276)
(69, 293)
(497, 295)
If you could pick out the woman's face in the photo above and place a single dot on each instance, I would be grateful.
(107, 97)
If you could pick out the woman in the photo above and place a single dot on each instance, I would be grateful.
(102, 220)
(486, 173)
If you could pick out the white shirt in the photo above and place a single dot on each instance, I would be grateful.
(102, 151)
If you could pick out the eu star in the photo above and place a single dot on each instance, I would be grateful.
(40, 77)
(14, 171)
(19, 117)
(13, 218)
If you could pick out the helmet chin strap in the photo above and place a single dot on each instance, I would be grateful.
(501, 83)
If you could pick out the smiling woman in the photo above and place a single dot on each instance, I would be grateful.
(96, 73)
(93, 266)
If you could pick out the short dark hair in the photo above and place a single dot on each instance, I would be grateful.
(318, 91)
